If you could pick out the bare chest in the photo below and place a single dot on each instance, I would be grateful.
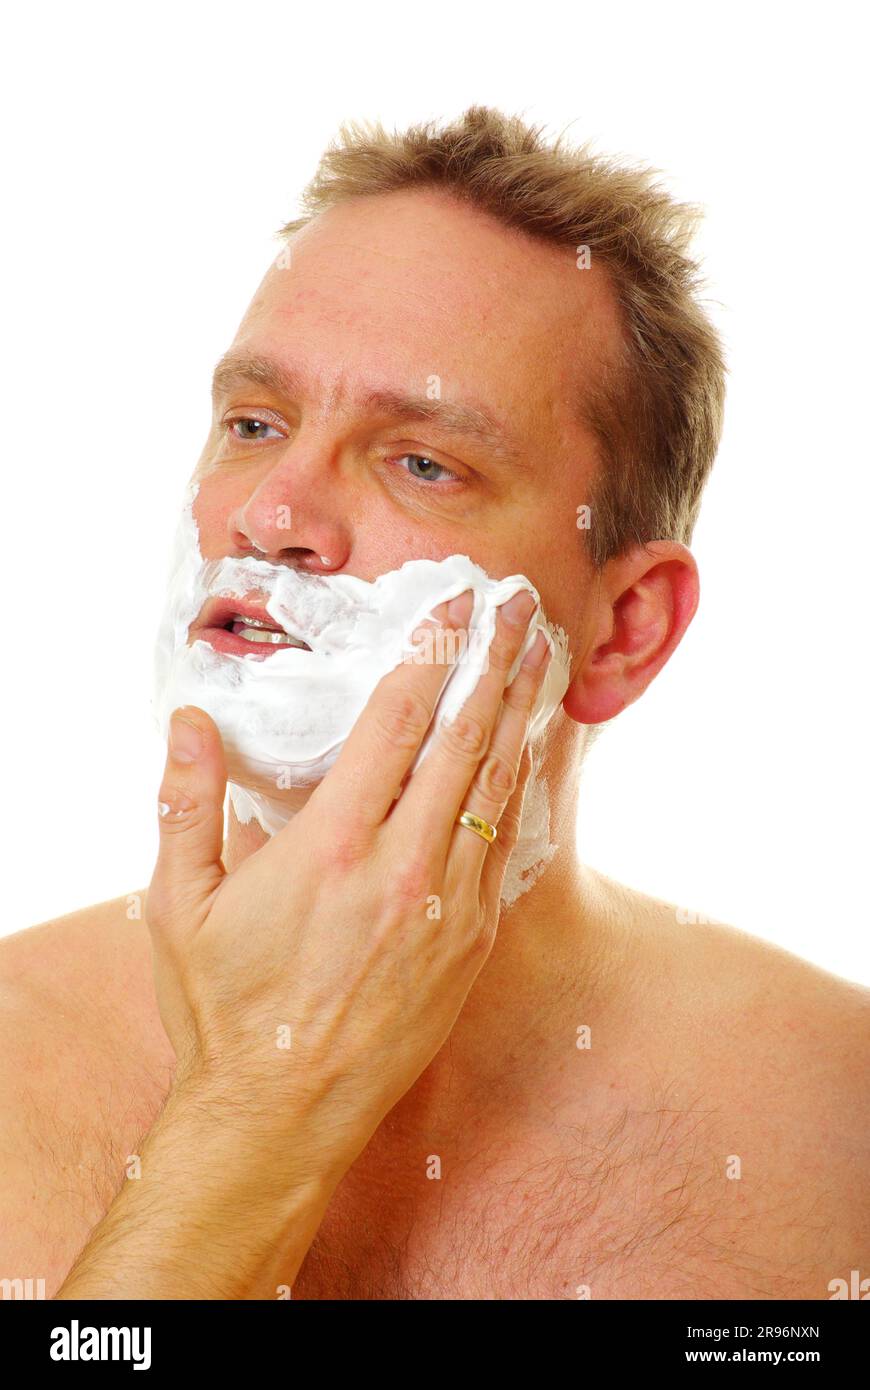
(644, 1210)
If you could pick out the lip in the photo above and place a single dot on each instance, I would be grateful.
(210, 628)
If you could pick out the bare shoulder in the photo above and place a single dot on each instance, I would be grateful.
(78, 980)
(86, 1065)
(778, 998)
(58, 952)
(774, 1022)
(760, 1060)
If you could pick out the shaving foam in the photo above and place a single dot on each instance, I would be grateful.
(533, 850)
(284, 718)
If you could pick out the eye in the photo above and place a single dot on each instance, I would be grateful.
(426, 469)
(257, 424)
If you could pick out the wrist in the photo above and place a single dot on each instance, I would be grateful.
(241, 1161)
(215, 1213)
(305, 1143)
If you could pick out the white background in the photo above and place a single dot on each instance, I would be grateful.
(154, 153)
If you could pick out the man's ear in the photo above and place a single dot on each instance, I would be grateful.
(645, 601)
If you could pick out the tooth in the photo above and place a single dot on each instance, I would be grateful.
(252, 622)
(255, 634)
(258, 634)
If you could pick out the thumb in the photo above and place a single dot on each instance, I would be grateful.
(191, 810)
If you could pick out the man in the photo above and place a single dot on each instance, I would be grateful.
(561, 1092)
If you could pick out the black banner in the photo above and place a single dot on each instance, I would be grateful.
(66, 1338)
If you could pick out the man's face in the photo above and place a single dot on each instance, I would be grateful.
(412, 295)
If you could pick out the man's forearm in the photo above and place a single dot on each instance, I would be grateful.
(211, 1216)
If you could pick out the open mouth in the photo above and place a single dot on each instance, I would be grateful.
(253, 630)
(245, 630)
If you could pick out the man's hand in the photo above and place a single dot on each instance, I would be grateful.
(315, 983)
(306, 991)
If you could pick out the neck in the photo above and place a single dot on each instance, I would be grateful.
(559, 960)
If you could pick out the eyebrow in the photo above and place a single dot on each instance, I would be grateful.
(470, 421)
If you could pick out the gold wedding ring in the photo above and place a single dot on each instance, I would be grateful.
(480, 826)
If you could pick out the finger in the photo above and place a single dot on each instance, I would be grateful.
(435, 793)
(384, 741)
(191, 819)
(499, 852)
(494, 782)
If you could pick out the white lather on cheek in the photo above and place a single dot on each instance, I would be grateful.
(283, 719)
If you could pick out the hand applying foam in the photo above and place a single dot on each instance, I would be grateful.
(306, 991)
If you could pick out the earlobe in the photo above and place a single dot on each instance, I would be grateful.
(654, 599)
(594, 703)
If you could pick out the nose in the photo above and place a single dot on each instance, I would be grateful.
(293, 523)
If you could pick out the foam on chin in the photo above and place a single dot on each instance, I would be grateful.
(284, 718)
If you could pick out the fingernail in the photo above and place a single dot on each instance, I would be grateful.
(185, 740)
(519, 609)
(537, 651)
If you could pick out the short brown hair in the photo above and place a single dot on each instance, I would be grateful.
(657, 408)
